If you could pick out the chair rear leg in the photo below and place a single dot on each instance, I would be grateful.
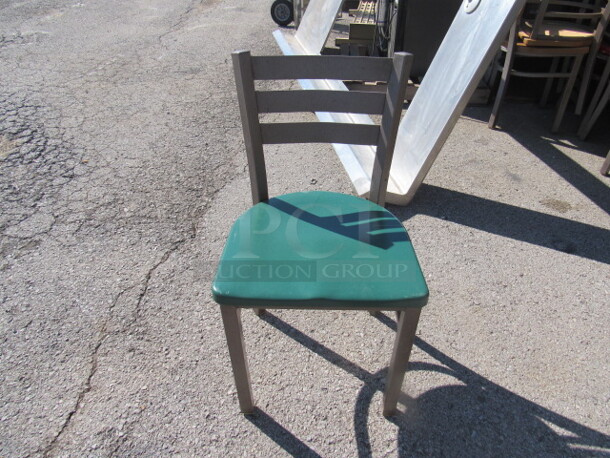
(231, 318)
(566, 94)
(259, 312)
(407, 325)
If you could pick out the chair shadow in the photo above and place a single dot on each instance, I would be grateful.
(568, 169)
(545, 147)
(549, 231)
(280, 435)
(474, 417)
(481, 418)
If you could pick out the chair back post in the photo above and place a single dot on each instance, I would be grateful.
(244, 81)
(601, 26)
(395, 97)
(544, 5)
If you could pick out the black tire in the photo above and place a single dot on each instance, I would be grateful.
(282, 12)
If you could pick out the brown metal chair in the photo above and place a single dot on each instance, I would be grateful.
(559, 29)
(272, 256)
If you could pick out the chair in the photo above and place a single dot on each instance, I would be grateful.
(319, 250)
(559, 29)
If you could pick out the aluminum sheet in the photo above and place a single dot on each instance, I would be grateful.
(460, 62)
(465, 53)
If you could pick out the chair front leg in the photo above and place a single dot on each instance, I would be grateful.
(548, 85)
(566, 94)
(606, 165)
(506, 71)
(231, 318)
(407, 325)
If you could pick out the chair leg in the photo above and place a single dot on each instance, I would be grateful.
(549, 82)
(587, 121)
(231, 318)
(405, 335)
(586, 79)
(597, 111)
(493, 119)
(494, 70)
(566, 94)
(564, 69)
(606, 166)
(259, 312)
(506, 69)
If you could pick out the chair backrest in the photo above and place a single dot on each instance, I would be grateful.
(394, 71)
(550, 13)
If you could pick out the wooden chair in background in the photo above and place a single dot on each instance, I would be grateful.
(558, 29)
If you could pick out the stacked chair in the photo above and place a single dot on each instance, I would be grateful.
(554, 30)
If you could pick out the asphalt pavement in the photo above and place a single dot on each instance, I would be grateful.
(121, 171)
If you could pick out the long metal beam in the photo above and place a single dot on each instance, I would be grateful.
(471, 42)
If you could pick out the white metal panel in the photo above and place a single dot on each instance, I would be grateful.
(472, 40)
(470, 44)
(317, 23)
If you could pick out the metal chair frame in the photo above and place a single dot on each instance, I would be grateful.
(389, 104)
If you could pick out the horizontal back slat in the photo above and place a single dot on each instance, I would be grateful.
(320, 132)
(320, 100)
(321, 67)
(571, 15)
(574, 4)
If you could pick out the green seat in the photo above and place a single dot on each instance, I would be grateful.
(319, 249)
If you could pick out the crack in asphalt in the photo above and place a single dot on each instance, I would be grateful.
(37, 160)
(182, 18)
(81, 396)
(150, 273)
(102, 336)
